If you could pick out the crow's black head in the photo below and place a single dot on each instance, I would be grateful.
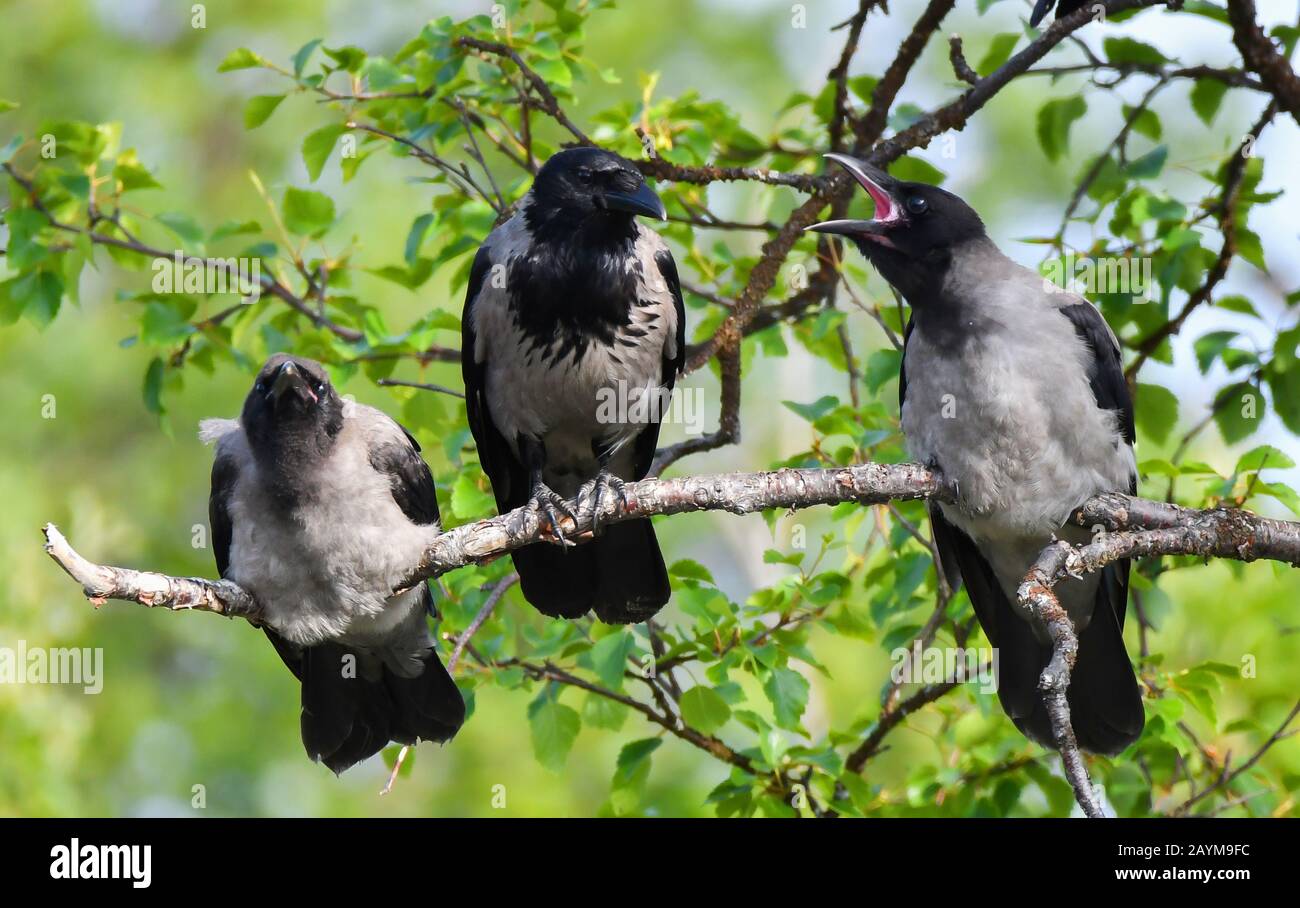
(581, 188)
(293, 413)
(915, 229)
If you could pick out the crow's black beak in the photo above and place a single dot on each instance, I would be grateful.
(290, 378)
(642, 202)
(879, 185)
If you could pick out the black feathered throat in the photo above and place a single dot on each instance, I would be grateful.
(575, 285)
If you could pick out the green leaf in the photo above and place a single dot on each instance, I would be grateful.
(1207, 95)
(1128, 50)
(306, 212)
(183, 226)
(381, 74)
(1000, 48)
(259, 108)
(1054, 121)
(415, 238)
(1250, 248)
(240, 58)
(687, 569)
(1286, 396)
(131, 174)
(631, 773)
(814, 411)
(704, 709)
(317, 146)
(234, 228)
(1263, 457)
(10, 149)
(912, 169)
(788, 691)
(1238, 416)
(468, 501)
(6, 106)
(1149, 165)
(882, 365)
(1283, 493)
(1145, 123)
(1208, 348)
(78, 184)
(153, 379)
(554, 728)
(1156, 409)
(303, 55)
(39, 293)
(162, 325)
(602, 712)
(609, 657)
(347, 58)
(11, 307)
(1237, 303)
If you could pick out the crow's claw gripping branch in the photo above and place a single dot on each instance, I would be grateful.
(594, 492)
(551, 504)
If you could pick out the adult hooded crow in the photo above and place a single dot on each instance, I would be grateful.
(1017, 394)
(574, 333)
(319, 506)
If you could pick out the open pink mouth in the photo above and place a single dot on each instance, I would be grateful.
(887, 211)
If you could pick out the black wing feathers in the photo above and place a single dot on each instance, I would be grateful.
(508, 477)
(224, 474)
(1106, 370)
(409, 478)
(648, 440)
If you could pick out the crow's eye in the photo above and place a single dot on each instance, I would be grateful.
(260, 388)
(319, 387)
(917, 205)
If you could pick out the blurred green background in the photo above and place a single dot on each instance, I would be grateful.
(195, 700)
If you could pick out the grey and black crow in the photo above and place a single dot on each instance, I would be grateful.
(319, 507)
(1016, 393)
(574, 333)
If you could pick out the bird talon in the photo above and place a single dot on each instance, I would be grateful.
(593, 493)
(547, 501)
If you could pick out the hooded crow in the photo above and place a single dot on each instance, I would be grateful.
(1016, 393)
(574, 333)
(319, 507)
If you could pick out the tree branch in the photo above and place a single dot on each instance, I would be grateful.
(1135, 527)
(1170, 530)
(1263, 58)
(485, 540)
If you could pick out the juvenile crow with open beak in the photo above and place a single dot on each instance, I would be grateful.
(1017, 394)
(574, 333)
(319, 507)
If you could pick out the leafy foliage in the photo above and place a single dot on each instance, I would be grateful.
(737, 678)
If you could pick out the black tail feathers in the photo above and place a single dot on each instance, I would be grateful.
(1105, 701)
(352, 707)
(620, 575)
